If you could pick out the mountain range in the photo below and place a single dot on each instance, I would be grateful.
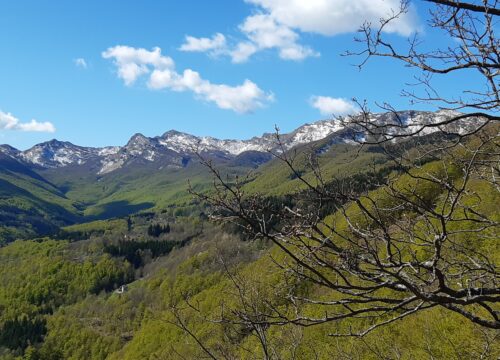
(57, 183)
(176, 149)
(173, 148)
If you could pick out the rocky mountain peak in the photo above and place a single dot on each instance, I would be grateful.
(171, 133)
(55, 153)
(138, 139)
(7, 148)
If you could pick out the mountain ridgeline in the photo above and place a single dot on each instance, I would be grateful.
(176, 149)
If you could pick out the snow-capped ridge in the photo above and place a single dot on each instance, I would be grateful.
(55, 153)
(175, 148)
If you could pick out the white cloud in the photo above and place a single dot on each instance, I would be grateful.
(243, 51)
(277, 24)
(265, 33)
(34, 125)
(10, 122)
(329, 106)
(297, 52)
(81, 63)
(332, 17)
(261, 32)
(214, 45)
(133, 63)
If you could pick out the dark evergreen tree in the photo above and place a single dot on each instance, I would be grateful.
(129, 224)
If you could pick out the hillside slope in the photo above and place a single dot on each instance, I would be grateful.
(29, 204)
(190, 287)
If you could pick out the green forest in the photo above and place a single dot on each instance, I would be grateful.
(192, 287)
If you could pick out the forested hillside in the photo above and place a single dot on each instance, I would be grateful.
(194, 288)
(29, 204)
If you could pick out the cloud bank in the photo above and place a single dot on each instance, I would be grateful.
(333, 17)
(277, 25)
(10, 122)
(133, 63)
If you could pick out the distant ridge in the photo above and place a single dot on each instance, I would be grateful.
(175, 148)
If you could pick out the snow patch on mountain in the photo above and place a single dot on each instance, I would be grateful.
(392, 125)
(179, 142)
(109, 150)
(108, 165)
(314, 132)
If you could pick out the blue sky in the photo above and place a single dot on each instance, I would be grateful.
(61, 64)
